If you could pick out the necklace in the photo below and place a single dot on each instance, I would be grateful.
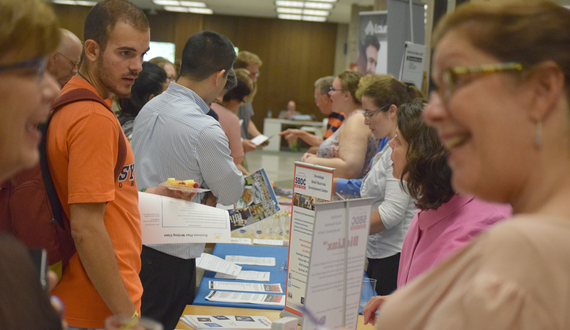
(82, 76)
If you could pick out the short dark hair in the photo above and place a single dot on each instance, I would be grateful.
(429, 179)
(149, 82)
(206, 53)
(370, 41)
(104, 16)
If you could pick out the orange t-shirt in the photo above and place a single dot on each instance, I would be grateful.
(82, 150)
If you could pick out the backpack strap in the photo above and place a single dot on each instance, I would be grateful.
(76, 95)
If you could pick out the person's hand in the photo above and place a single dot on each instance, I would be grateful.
(209, 199)
(306, 157)
(290, 134)
(164, 191)
(248, 145)
(264, 144)
(369, 311)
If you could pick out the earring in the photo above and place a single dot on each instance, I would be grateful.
(538, 135)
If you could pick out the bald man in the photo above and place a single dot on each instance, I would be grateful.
(63, 63)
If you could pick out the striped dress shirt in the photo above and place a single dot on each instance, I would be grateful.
(174, 138)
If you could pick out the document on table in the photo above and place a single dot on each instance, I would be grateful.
(240, 286)
(247, 298)
(217, 264)
(245, 260)
(247, 275)
(166, 220)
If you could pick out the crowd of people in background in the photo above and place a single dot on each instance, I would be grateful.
(470, 222)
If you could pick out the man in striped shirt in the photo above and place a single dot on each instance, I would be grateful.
(173, 137)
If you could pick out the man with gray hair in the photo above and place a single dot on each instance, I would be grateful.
(323, 101)
(64, 62)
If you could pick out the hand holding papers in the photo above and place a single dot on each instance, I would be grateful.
(260, 139)
(166, 220)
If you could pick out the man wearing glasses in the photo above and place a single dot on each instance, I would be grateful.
(64, 62)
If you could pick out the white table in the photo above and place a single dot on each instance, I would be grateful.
(272, 127)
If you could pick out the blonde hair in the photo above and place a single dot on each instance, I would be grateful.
(161, 61)
(245, 58)
(349, 80)
(244, 75)
(384, 90)
(28, 29)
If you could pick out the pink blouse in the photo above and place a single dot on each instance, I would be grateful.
(435, 234)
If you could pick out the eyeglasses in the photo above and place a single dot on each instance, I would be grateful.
(39, 63)
(171, 79)
(368, 114)
(75, 64)
(451, 77)
(331, 90)
(254, 74)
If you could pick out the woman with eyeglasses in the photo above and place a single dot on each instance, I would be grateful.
(28, 33)
(393, 208)
(445, 221)
(350, 149)
(503, 113)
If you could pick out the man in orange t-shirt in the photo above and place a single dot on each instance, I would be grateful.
(101, 279)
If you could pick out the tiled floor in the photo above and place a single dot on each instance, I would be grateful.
(278, 165)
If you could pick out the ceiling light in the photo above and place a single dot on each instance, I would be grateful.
(324, 0)
(302, 18)
(206, 11)
(280, 3)
(166, 2)
(312, 12)
(289, 10)
(192, 4)
(318, 5)
(315, 18)
(294, 17)
(176, 3)
(176, 9)
(76, 3)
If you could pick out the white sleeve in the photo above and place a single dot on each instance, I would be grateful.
(396, 200)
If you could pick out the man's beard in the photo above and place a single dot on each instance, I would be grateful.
(107, 80)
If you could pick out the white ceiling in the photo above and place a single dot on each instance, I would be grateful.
(263, 8)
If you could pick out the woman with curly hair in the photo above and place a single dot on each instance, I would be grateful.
(446, 220)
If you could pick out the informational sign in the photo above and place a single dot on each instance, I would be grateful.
(340, 236)
(312, 184)
(166, 220)
(413, 62)
(372, 42)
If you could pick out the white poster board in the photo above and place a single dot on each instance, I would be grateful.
(311, 184)
(340, 236)
(413, 63)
